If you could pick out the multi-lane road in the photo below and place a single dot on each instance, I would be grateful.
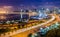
(54, 19)
(24, 32)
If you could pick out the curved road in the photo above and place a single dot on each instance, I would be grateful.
(26, 29)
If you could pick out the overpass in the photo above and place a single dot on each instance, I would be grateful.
(24, 32)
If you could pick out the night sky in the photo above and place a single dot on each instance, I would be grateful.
(30, 3)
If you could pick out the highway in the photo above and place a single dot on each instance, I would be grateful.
(48, 23)
(29, 29)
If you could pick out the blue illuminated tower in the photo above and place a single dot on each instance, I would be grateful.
(42, 13)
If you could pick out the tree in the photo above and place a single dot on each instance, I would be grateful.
(53, 33)
(30, 35)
